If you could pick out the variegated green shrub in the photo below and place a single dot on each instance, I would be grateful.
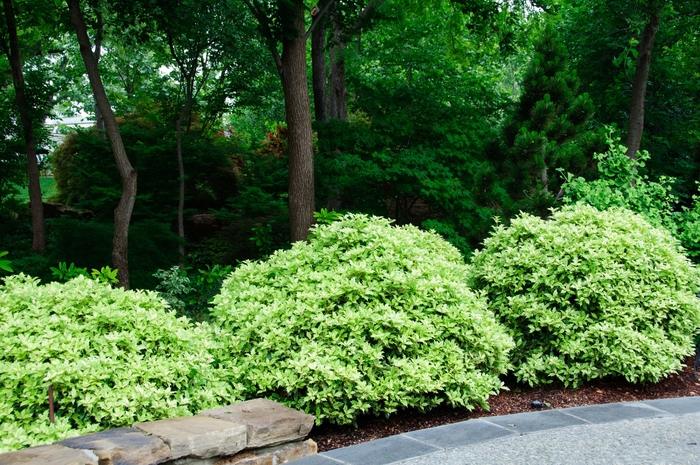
(364, 318)
(588, 294)
(114, 357)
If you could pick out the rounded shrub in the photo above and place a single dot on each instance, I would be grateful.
(588, 294)
(365, 317)
(113, 357)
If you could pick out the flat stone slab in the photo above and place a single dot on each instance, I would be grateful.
(197, 436)
(459, 434)
(266, 456)
(382, 451)
(679, 406)
(122, 446)
(268, 423)
(535, 421)
(607, 413)
(49, 455)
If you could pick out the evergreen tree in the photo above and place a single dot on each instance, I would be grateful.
(544, 133)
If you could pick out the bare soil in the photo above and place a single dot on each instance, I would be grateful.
(518, 398)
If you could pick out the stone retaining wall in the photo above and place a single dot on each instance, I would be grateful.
(255, 432)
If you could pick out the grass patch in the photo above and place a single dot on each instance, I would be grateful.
(48, 188)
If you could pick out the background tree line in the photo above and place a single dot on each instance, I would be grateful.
(223, 125)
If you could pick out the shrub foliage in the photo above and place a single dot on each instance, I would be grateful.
(113, 357)
(590, 294)
(365, 317)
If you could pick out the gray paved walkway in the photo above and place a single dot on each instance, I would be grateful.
(663, 431)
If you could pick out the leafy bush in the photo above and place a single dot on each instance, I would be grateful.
(87, 178)
(114, 357)
(365, 317)
(189, 293)
(620, 184)
(590, 294)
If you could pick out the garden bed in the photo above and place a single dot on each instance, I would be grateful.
(515, 400)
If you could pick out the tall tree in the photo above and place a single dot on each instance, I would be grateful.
(122, 214)
(12, 50)
(347, 20)
(654, 9)
(203, 38)
(318, 63)
(550, 113)
(99, 35)
(619, 47)
(282, 22)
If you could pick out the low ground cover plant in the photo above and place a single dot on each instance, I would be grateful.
(365, 317)
(113, 357)
(589, 293)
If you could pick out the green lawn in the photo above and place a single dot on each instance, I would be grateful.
(48, 187)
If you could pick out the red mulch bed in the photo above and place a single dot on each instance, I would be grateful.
(515, 400)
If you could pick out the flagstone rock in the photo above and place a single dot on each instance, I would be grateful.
(268, 423)
(49, 455)
(122, 446)
(198, 436)
(265, 456)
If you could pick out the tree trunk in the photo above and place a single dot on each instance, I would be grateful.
(299, 133)
(338, 93)
(639, 87)
(122, 214)
(99, 122)
(338, 97)
(189, 84)
(37, 206)
(318, 69)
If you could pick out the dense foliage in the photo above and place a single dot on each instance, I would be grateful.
(113, 357)
(451, 115)
(364, 318)
(588, 294)
(620, 183)
(546, 130)
(83, 180)
(86, 243)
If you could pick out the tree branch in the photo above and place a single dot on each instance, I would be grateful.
(264, 23)
(365, 14)
(318, 17)
(681, 18)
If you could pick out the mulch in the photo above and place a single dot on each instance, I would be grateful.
(517, 399)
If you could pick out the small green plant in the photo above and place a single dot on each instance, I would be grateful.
(173, 287)
(589, 294)
(327, 217)
(190, 293)
(5, 264)
(363, 318)
(620, 184)
(105, 275)
(66, 272)
(263, 238)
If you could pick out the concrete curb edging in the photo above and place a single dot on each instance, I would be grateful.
(254, 432)
(428, 446)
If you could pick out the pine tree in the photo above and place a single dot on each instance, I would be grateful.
(542, 134)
